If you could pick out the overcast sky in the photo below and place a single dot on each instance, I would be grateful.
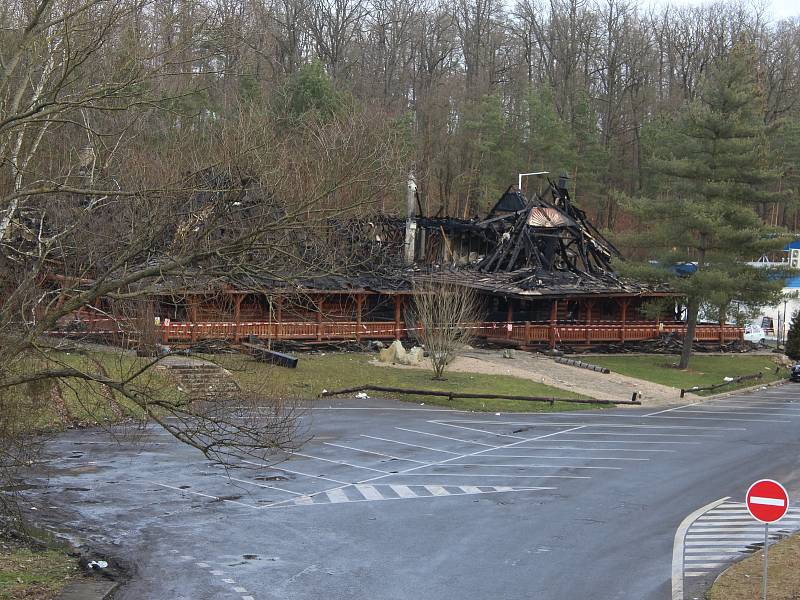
(777, 9)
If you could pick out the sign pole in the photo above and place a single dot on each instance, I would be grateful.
(764, 578)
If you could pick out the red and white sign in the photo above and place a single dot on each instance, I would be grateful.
(767, 501)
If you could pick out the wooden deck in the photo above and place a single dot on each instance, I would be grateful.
(515, 333)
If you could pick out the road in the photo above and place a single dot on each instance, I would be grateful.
(401, 501)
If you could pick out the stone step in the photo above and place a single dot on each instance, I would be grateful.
(204, 381)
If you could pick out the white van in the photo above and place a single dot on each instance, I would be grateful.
(755, 333)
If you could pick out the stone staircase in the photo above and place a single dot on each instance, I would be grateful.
(201, 380)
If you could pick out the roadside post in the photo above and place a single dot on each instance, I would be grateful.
(767, 501)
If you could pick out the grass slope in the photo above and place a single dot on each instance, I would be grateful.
(335, 371)
(34, 574)
(742, 581)
(703, 369)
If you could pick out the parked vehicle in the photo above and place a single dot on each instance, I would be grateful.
(794, 373)
(755, 333)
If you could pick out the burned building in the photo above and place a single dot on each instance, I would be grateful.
(544, 271)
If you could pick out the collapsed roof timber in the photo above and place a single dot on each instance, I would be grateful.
(542, 247)
(524, 248)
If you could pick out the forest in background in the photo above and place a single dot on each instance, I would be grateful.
(473, 91)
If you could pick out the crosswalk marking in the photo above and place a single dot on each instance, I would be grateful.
(369, 493)
(403, 492)
(336, 495)
(726, 533)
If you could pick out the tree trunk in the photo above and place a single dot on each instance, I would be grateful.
(691, 324)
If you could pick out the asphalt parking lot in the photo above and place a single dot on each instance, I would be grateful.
(399, 501)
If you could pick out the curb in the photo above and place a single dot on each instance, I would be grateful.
(678, 549)
(744, 389)
(88, 590)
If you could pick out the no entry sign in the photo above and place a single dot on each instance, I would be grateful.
(767, 501)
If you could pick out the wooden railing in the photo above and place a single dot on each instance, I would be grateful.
(519, 333)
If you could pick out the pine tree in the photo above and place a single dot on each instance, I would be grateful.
(792, 349)
(713, 173)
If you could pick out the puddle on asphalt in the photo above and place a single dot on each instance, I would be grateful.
(81, 470)
(18, 487)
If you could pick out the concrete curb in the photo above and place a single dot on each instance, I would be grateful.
(740, 390)
(678, 547)
(88, 590)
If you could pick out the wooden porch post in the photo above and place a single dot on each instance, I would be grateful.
(589, 305)
(624, 305)
(553, 318)
(359, 303)
(237, 317)
(279, 317)
(509, 317)
(320, 308)
(193, 316)
(398, 302)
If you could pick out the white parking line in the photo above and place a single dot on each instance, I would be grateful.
(338, 462)
(567, 457)
(452, 439)
(264, 485)
(475, 453)
(437, 474)
(615, 425)
(681, 435)
(730, 419)
(622, 442)
(491, 433)
(757, 406)
(373, 452)
(218, 498)
(585, 449)
(457, 464)
(593, 449)
(285, 470)
(738, 412)
(373, 437)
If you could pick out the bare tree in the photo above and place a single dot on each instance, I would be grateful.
(445, 318)
(157, 200)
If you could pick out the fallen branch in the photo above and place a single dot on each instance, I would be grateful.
(453, 395)
(719, 385)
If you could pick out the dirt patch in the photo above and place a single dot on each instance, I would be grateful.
(542, 369)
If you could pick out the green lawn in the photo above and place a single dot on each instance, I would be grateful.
(34, 574)
(703, 369)
(51, 404)
(343, 370)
